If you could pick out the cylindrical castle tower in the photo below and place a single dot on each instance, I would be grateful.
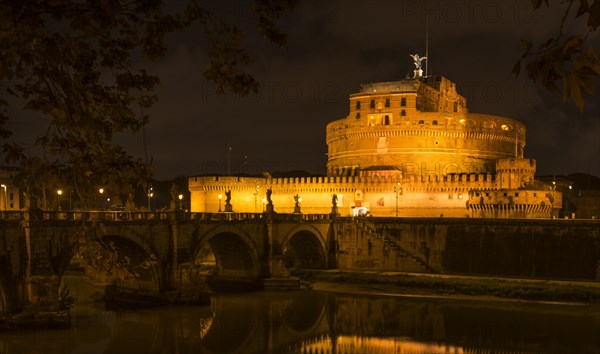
(418, 126)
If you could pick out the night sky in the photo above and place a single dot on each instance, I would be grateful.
(333, 47)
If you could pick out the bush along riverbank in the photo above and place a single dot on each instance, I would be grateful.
(455, 285)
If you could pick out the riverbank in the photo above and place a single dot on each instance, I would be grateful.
(457, 286)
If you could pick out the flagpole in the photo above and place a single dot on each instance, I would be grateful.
(516, 143)
(228, 159)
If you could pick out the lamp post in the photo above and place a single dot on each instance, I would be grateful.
(568, 202)
(397, 190)
(101, 191)
(59, 192)
(180, 197)
(220, 197)
(4, 199)
(255, 196)
(553, 189)
(150, 195)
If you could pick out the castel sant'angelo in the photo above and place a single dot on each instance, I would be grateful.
(406, 148)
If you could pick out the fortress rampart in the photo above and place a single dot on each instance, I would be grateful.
(452, 195)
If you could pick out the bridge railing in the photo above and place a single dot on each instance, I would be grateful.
(106, 215)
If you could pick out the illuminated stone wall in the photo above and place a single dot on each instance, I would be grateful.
(456, 195)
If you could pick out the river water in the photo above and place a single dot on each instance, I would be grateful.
(318, 322)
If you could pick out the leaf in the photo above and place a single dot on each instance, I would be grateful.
(516, 70)
(594, 18)
(572, 90)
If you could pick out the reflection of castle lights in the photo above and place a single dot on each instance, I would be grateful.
(355, 344)
(205, 324)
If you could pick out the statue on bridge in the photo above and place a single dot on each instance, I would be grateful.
(269, 205)
(297, 204)
(228, 206)
(334, 208)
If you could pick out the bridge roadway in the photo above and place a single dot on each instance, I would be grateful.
(37, 247)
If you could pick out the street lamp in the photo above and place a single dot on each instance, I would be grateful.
(553, 189)
(101, 191)
(568, 201)
(220, 197)
(4, 204)
(150, 195)
(180, 201)
(397, 190)
(59, 192)
(255, 196)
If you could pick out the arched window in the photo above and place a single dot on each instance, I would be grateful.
(434, 122)
(357, 115)
(386, 120)
(357, 105)
(421, 122)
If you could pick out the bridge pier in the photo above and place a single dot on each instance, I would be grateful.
(43, 292)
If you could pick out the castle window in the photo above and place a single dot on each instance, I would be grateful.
(455, 106)
(505, 194)
(421, 122)
(402, 112)
(449, 196)
(434, 122)
(477, 194)
(387, 103)
(487, 194)
(386, 120)
(535, 194)
(357, 105)
(372, 104)
(357, 115)
(516, 194)
(403, 102)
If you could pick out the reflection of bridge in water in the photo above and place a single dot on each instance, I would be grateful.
(316, 322)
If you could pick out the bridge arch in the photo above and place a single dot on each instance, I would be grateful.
(304, 246)
(236, 253)
(135, 255)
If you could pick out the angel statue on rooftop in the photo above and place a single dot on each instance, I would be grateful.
(417, 60)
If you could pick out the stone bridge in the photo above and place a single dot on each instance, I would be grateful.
(37, 247)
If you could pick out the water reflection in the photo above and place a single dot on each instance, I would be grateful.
(313, 322)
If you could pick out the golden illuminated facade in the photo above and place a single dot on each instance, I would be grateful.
(406, 148)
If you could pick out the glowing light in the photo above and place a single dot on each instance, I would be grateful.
(220, 196)
(462, 121)
(101, 190)
(505, 127)
(59, 192)
(180, 196)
